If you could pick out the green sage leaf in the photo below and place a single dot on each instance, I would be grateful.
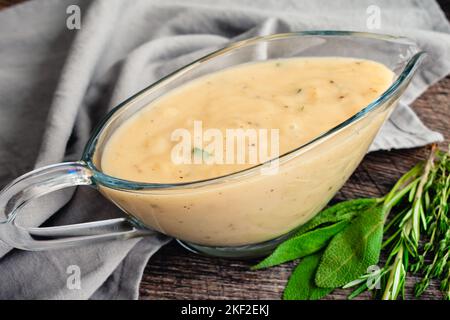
(302, 245)
(301, 284)
(353, 250)
(341, 211)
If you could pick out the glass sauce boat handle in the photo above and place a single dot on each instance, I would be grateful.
(43, 181)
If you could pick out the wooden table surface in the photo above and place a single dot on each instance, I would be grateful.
(174, 273)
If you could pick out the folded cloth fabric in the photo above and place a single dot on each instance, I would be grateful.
(57, 83)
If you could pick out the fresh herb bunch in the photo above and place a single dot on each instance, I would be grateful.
(436, 203)
(423, 210)
(342, 242)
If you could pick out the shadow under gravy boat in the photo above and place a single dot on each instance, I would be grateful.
(147, 205)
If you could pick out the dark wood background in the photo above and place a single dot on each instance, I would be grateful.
(174, 273)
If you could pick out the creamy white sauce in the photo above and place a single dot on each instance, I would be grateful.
(302, 98)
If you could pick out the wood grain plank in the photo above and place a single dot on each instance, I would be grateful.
(7, 3)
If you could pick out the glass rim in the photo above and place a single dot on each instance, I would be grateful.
(123, 184)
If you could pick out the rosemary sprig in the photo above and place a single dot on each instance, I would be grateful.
(436, 205)
(420, 201)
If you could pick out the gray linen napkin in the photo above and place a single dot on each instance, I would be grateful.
(56, 84)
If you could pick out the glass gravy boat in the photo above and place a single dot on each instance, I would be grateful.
(254, 227)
